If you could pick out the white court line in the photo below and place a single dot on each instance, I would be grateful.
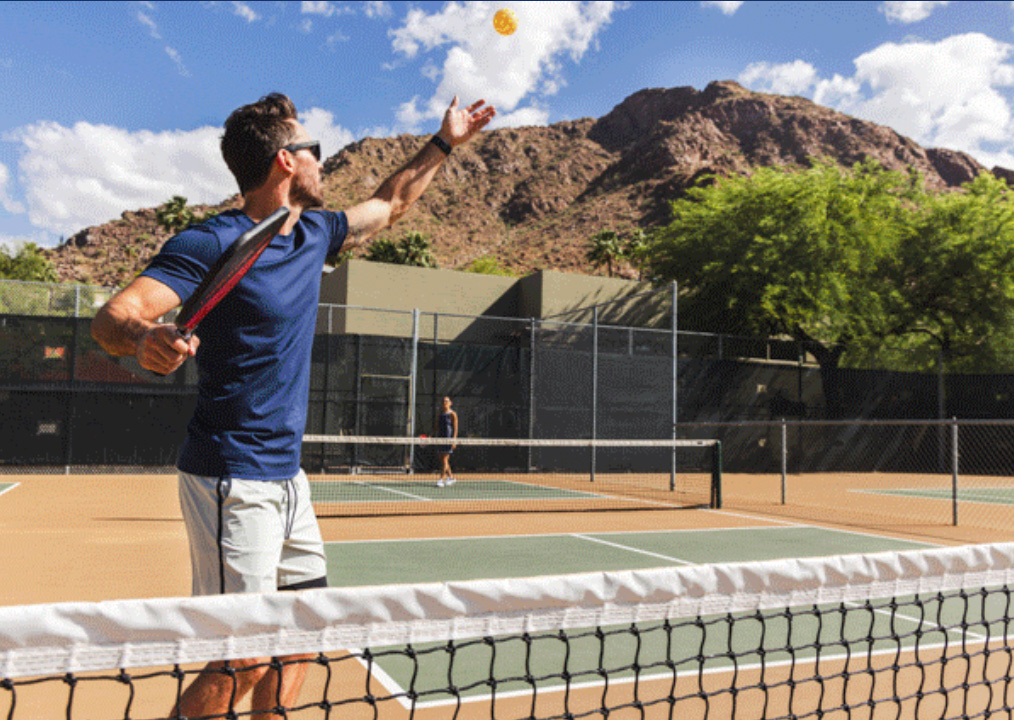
(396, 689)
(632, 549)
(878, 536)
(12, 486)
(921, 623)
(681, 531)
(391, 490)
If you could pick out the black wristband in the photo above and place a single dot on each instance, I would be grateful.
(441, 143)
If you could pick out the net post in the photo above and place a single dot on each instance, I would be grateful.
(954, 471)
(595, 386)
(716, 475)
(785, 456)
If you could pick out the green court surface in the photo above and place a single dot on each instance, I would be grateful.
(691, 648)
(366, 491)
(512, 660)
(987, 495)
(385, 562)
(5, 486)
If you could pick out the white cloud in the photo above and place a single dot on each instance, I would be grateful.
(306, 26)
(378, 9)
(523, 117)
(153, 30)
(479, 63)
(334, 38)
(792, 78)
(244, 11)
(14, 243)
(6, 201)
(953, 94)
(323, 7)
(321, 126)
(904, 11)
(177, 60)
(147, 21)
(73, 177)
(728, 7)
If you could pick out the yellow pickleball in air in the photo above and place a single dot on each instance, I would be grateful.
(505, 21)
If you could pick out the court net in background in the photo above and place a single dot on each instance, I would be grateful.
(352, 475)
(914, 634)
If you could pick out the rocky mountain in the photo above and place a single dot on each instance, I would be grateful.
(531, 197)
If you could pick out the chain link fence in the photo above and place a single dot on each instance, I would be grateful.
(919, 477)
(66, 404)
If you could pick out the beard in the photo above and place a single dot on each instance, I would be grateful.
(306, 193)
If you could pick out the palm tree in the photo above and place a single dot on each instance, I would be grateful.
(415, 250)
(635, 249)
(174, 214)
(604, 249)
(412, 249)
(384, 251)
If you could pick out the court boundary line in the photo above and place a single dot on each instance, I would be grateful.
(831, 529)
(574, 495)
(638, 551)
(921, 494)
(565, 534)
(399, 691)
(9, 488)
(391, 490)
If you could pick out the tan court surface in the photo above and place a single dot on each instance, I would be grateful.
(83, 537)
(97, 537)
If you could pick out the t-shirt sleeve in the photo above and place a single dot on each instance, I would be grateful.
(184, 260)
(338, 227)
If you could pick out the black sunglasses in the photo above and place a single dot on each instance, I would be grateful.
(311, 145)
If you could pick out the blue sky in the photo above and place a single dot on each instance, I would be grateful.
(118, 105)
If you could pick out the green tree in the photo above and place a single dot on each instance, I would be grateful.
(385, 251)
(788, 252)
(954, 274)
(604, 248)
(488, 265)
(415, 250)
(635, 250)
(28, 263)
(174, 214)
(412, 249)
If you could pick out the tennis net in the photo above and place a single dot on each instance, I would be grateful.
(913, 634)
(359, 475)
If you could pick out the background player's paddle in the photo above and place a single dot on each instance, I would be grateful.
(229, 270)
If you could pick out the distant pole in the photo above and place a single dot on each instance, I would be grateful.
(411, 389)
(531, 388)
(675, 384)
(595, 385)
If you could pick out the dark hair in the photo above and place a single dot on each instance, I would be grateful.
(253, 136)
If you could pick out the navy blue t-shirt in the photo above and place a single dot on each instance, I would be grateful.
(254, 359)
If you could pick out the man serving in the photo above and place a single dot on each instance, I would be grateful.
(244, 498)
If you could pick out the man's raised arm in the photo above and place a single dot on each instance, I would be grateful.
(398, 193)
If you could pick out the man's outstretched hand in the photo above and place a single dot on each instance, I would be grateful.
(461, 124)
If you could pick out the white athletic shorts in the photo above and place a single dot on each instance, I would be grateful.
(251, 535)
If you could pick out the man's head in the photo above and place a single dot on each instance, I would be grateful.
(254, 136)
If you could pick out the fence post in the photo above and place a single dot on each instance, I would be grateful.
(954, 471)
(435, 397)
(412, 384)
(595, 385)
(675, 384)
(531, 388)
(785, 456)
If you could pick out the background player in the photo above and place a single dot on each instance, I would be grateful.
(447, 427)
